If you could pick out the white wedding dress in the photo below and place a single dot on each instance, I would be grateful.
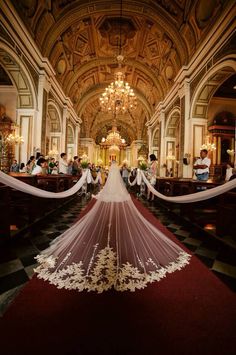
(112, 246)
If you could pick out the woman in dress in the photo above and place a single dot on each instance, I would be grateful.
(152, 175)
(112, 246)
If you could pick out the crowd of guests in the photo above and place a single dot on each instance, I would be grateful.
(41, 165)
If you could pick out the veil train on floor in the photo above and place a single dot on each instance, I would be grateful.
(112, 246)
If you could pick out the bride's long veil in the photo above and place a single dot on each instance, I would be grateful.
(113, 245)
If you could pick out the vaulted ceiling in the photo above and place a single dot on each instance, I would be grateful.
(80, 39)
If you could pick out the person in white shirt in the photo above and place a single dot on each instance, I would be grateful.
(39, 167)
(202, 166)
(63, 164)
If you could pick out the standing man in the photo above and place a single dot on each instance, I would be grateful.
(202, 166)
(63, 164)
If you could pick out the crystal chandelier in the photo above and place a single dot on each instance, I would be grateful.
(113, 140)
(14, 139)
(118, 96)
(208, 145)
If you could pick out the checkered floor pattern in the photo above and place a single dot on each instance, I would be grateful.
(17, 259)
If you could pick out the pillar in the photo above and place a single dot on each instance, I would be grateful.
(218, 150)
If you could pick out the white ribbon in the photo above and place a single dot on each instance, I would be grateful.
(194, 197)
(133, 182)
(98, 178)
(139, 176)
(22, 186)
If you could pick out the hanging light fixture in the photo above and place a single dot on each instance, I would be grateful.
(208, 145)
(118, 97)
(113, 140)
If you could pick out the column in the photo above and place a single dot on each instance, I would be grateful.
(76, 146)
(214, 151)
(40, 122)
(233, 147)
(64, 124)
(162, 154)
(135, 146)
(25, 120)
(218, 150)
(185, 130)
(149, 132)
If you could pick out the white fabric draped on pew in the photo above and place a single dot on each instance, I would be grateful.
(22, 186)
(194, 197)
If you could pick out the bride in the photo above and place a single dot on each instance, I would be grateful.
(112, 246)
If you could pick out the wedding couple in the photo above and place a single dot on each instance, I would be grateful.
(111, 246)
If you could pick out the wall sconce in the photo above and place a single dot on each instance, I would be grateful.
(186, 159)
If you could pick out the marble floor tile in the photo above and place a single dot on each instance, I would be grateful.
(183, 233)
(224, 268)
(10, 267)
(192, 241)
(212, 254)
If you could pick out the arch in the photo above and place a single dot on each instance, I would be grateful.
(70, 134)
(54, 128)
(209, 84)
(172, 122)
(155, 132)
(149, 72)
(20, 76)
(55, 115)
(96, 91)
(70, 139)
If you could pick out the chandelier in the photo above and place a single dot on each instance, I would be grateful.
(208, 145)
(118, 97)
(113, 141)
(14, 139)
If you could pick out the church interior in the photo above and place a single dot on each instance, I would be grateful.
(105, 80)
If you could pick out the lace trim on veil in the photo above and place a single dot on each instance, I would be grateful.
(105, 273)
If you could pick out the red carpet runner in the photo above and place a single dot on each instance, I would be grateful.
(189, 312)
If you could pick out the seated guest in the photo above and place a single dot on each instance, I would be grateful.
(22, 168)
(51, 165)
(30, 164)
(202, 166)
(40, 167)
(76, 166)
(70, 167)
(15, 167)
(63, 165)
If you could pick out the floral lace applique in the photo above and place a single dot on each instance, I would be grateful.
(104, 272)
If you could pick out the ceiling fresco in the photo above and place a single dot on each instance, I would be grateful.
(81, 39)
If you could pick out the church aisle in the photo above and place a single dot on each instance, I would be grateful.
(180, 314)
(17, 261)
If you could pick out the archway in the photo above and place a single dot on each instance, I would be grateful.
(53, 130)
(18, 95)
(203, 110)
(172, 143)
(70, 139)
